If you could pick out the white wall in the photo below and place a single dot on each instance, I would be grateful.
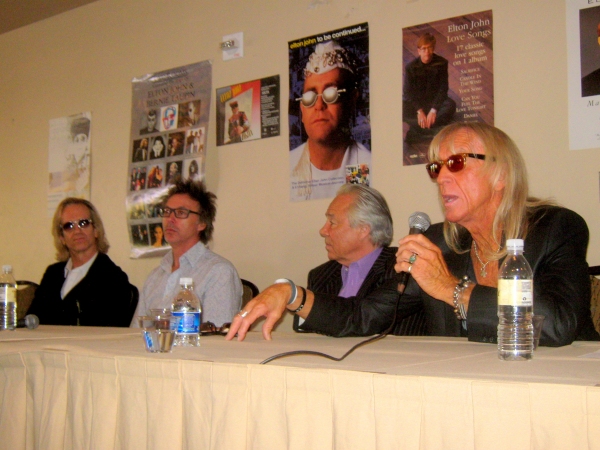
(84, 60)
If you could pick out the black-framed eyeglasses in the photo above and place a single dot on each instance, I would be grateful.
(330, 95)
(455, 163)
(180, 213)
(81, 224)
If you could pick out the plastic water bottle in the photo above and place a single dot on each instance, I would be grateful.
(187, 306)
(515, 305)
(8, 299)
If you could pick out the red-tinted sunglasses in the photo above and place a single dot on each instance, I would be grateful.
(455, 163)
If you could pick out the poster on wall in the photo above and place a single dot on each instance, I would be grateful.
(169, 123)
(448, 77)
(248, 111)
(329, 109)
(583, 46)
(69, 157)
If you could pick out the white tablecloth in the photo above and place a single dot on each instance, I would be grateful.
(77, 387)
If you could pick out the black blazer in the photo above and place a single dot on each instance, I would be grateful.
(359, 315)
(103, 297)
(555, 247)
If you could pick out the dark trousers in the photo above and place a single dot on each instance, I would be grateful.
(444, 116)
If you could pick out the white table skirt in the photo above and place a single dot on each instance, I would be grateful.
(77, 388)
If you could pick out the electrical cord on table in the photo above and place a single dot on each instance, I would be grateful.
(333, 358)
(418, 222)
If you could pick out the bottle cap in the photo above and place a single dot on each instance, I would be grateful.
(514, 244)
(186, 281)
(7, 268)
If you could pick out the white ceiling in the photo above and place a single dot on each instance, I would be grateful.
(18, 13)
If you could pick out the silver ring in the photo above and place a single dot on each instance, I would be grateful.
(243, 314)
(409, 268)
(412, 258)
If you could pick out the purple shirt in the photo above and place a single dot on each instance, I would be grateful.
(354, 274)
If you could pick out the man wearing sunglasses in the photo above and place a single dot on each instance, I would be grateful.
(482, 183)
(426, 105)
(85, 287)
(188, 215)
(327, 104)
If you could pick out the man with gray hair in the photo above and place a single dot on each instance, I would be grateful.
(342, 297)
(327, 105)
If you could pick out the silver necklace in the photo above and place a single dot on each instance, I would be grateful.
(482, 271)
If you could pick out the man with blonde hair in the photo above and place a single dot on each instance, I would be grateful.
(85, 287)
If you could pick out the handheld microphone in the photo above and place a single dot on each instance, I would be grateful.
(30, 321)
(418, 222)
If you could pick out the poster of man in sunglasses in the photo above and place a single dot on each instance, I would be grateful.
(448, 77)
(328, 110)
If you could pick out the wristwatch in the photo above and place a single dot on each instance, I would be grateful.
(294, 289)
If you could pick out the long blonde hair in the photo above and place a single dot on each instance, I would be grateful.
(62, 252)
(503, 162)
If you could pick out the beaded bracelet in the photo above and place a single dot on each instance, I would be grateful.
(303, 300)
(459, 308)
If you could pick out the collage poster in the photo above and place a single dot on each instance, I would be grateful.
(69, 159)
(329, 109)
(169, 123)
(583, 46)
(448, 77)
(248, 111)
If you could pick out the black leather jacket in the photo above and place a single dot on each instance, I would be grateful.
(555, 247)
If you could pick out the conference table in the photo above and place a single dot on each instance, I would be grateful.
(97, 388)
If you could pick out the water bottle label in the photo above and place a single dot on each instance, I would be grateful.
(8, 294)
(189, 322)
(515, 292)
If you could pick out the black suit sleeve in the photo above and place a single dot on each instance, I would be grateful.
(353, 316)
(46, 303)
(371, 311)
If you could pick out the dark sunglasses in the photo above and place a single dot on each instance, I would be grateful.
(81, 224)
(455, 163)
(180, 213)
(330, 95)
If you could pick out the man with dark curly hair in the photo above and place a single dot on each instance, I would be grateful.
(188, 214)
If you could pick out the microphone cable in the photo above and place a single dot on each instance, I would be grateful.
(418, 223)
(375, 338)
